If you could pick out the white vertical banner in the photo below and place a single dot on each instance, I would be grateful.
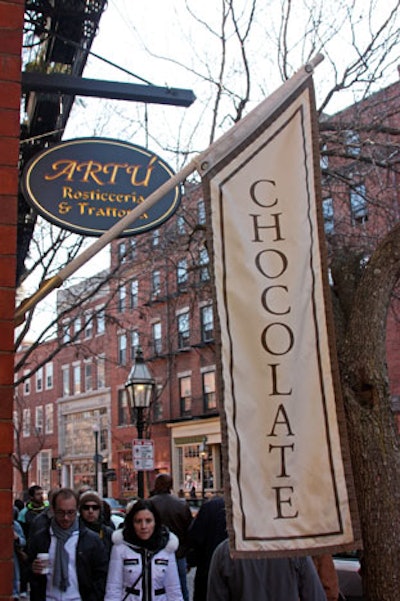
(284, 448)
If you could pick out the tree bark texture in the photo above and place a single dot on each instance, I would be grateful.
(373, 436)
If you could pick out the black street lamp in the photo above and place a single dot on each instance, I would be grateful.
(140, 387)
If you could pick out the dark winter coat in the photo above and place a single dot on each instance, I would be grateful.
(268, 579)
(176, 515)
(91, 564)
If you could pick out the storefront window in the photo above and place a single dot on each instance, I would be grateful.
(192, 467)
(127, 474)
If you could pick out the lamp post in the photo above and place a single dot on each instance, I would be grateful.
(140, 387)
(59, 468)
(96, 457)
(203, 455)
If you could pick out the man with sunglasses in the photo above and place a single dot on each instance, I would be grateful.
(92, 515)
(77, 565)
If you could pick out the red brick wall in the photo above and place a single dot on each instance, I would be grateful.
(11, 24)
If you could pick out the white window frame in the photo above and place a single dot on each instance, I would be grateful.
(49, 375)
(101, 320)
(122, 348)
(49, 418)
(39, 419)
(88, 375)
(156, 332)
(66, 380)
(39, 379)
(101, 371)
(26, 422)
(26, 384)
(76, 378)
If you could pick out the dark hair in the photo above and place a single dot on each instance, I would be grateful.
(33, 489)
(129, 531)
(163, 483)
(65, 493)
(19, 504)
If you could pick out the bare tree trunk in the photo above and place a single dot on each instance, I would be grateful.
(374, 439)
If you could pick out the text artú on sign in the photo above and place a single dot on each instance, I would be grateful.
(86, 185)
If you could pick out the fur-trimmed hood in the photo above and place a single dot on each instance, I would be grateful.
(171, 546)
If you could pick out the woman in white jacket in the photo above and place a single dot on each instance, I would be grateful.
(142, 565)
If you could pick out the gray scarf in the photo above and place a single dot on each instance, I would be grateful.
(61, 560)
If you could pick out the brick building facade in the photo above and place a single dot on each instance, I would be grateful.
(159, 299)
(361, 191)
(11, 24)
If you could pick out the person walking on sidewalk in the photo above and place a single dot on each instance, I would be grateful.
(176, 515)
(77, 566)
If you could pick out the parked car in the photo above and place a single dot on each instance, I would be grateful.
(117, 518)
(348, 570)
(114, 504)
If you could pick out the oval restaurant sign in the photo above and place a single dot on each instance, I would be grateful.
(86, 185)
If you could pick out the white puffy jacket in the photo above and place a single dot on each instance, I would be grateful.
(149, 576)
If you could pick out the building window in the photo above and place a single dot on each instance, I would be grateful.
(135, 342)
(134, 297)
(358, 204)
(122, 349)
(101, 321)
(324, 159)
(156, 237)
(122, 252)
(39, 419)
(156, 283)
(209, 396)
(353, 143)
(44, 469)
(49, 416)
(27, 384)
(327, 212)
(181, 225)
(26, 423)
(101, 371)
(204, 263)
(76, 377)
(157, 340)
(77, 326)
(124, 416)
(88, 325)
(182, 274)
(122, 299)
(185, 395)
(39, 379)
(158, 410)
(132, 248)
(66, 332)
(207, 323)
(65, 381)
(88, 376)
(49, 375)
(201, 212)
(183, 330)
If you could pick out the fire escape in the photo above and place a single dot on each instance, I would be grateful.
(58, 35)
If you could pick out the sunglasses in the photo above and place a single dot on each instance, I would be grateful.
(87, 507)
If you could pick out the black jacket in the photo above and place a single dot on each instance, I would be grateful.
(91, 564)
(176, 515)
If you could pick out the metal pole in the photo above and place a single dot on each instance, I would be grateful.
(203, 491)
(140, 429)
(96, 461)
